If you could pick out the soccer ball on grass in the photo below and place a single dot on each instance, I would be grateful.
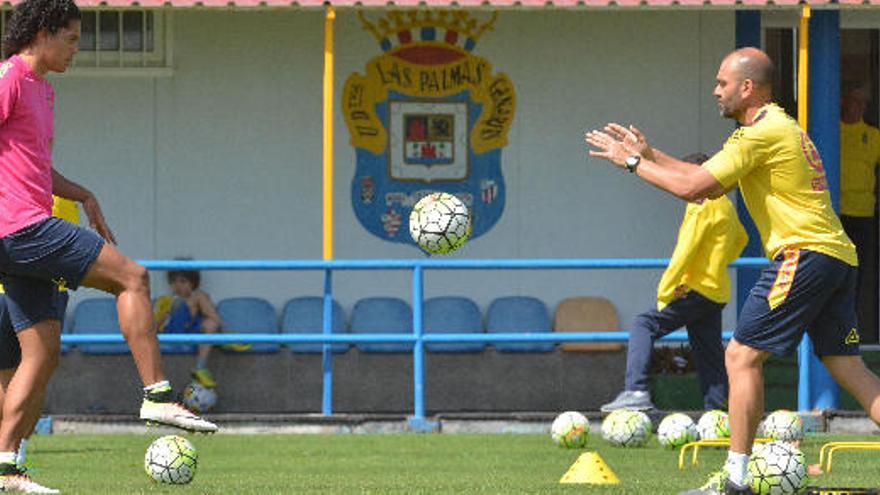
(714, 424)
(777, 468)
(171, 459)
(783, 425)
(676, 430)
(570, 430)
(440, 223)
(627, 428)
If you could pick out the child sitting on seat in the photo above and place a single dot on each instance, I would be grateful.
(189, 310)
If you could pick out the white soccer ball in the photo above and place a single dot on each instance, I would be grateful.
(777, 468)
(626, 428)
(199, 399)
(676, 430)
(171, 459)
(440, 223)
(570, 430)
(783, 425)
(713, 424)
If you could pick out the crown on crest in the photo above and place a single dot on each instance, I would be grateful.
(453, 27)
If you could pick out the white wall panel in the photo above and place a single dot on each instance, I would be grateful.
(223, 159)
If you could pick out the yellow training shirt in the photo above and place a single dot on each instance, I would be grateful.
(782, 180)
(859, 155)
(710, 237)
(64, 209)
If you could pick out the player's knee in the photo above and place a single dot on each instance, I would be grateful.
(46, 362)
(137, 278)
(53, 359)
(645, 324)
(738, 357)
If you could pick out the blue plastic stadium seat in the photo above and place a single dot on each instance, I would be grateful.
(249, 315)
(519, 314)
(452, 314)
(306, 315)
(97, 316)
(382, 315)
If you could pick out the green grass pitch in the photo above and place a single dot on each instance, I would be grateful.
(415, 463)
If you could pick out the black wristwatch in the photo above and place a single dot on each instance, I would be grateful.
(632, 163)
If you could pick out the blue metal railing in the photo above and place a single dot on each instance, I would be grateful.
(417, 338)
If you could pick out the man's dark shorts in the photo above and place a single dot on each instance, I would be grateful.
(38, 259)
(802, 291)
(10, 350)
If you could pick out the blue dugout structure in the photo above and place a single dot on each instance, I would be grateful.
(417, 338)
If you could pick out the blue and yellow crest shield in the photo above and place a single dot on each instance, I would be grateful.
(427, 115)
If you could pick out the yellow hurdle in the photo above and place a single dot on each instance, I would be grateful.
(714, 442)
(831, 447)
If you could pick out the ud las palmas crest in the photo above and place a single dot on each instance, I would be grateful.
(427, 116)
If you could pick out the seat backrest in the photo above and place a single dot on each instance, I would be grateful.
(249, 315)
(519, 314)
(306, 315)
(587, 314)
(382, 315)
(97, 315)
(452, 314)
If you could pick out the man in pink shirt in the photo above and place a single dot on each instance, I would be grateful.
(38, 252)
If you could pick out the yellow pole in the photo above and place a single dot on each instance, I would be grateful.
(803, 66)
(328, 132)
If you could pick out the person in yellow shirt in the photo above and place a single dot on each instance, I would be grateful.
(810, 283)
(859, 157)
(10, 351)
(692, 292)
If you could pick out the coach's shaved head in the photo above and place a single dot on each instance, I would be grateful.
(752, 63)
(744, 83)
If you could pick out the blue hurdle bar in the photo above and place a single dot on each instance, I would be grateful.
(418, 338)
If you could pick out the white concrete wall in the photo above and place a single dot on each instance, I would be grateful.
(223, 159)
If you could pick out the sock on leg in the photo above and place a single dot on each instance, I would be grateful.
(737, 466)
(7, 457)
(201, 363)
(158, 392)
(21, 455)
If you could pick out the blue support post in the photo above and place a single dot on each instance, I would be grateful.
(824, 129)
(326, 354)
(417, 421)
(748, 33)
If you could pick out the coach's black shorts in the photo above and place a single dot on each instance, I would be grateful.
(38, 259)
(802, 291)
(10, 351)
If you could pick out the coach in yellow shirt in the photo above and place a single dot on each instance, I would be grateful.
(859, 157)
(693, 290)
(10, 351)
(810, 284)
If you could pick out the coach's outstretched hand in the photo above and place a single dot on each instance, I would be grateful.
(609, 148)
(633, 137)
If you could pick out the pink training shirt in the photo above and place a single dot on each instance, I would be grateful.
(27, 103)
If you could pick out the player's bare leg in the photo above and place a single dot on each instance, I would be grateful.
(24, 394)
(40, 352)
(746, 405)
(852, 374)
(119, 275)
(745, 366)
